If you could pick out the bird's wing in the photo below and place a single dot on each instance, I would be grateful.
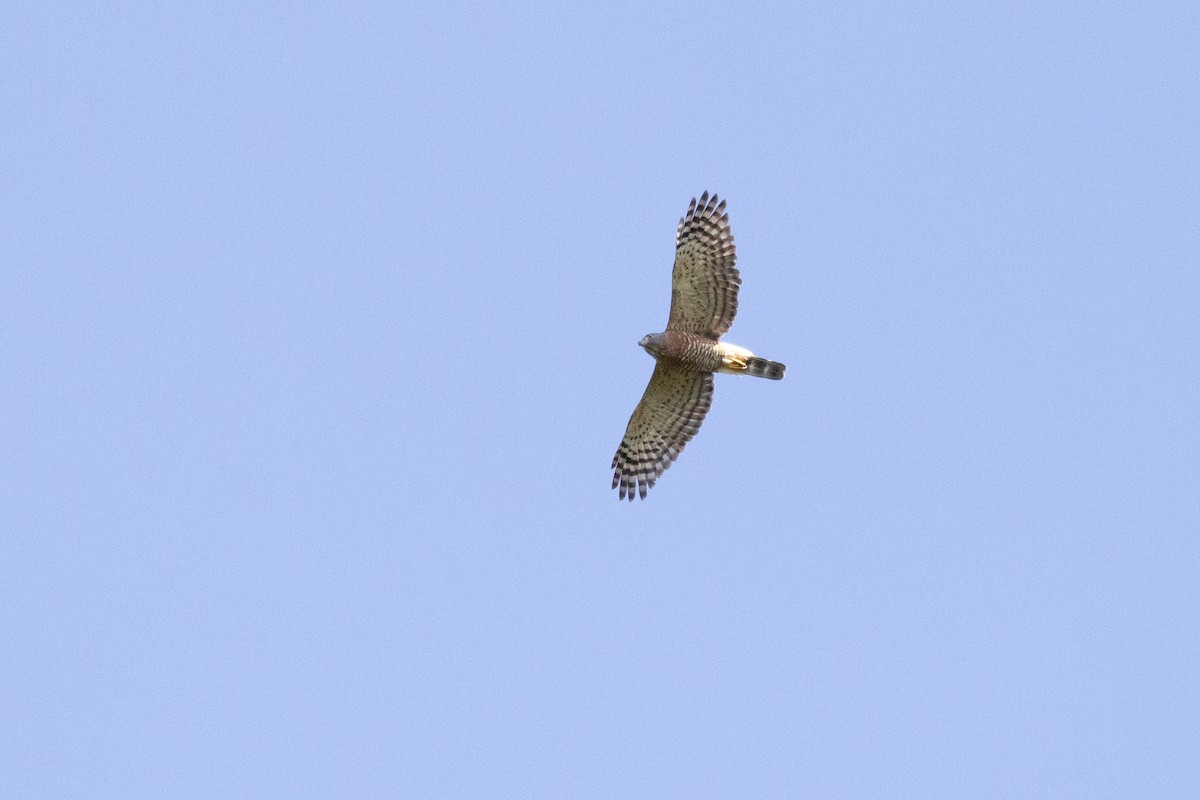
(666, 419)
(704, 283)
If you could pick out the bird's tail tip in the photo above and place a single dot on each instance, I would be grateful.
(762, 368)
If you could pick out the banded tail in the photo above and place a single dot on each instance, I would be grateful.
(762, 368)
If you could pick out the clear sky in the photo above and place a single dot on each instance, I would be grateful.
(318, 330)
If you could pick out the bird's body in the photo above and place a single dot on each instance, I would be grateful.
(700, 353)
(683, 349)
(704, 289)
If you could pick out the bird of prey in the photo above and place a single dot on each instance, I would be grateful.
(704, 288)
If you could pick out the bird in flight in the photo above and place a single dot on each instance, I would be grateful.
(704, 288)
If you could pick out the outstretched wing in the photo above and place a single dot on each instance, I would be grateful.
(704, 283)
(665, 420)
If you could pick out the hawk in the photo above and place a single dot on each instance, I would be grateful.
(704, 287)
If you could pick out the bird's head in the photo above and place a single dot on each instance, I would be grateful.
(653, 343)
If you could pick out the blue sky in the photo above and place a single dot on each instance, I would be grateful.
(320, 329)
